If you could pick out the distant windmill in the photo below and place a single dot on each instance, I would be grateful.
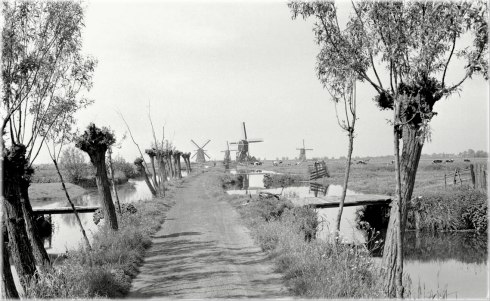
(200, 152)
(227, 152)
(302, 152)
(242, 153)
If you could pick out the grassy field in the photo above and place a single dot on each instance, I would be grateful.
(377, 177)
(53, 192)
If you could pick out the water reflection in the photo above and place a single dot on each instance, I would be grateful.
(66, 232)
(467, 247)
(319, 189)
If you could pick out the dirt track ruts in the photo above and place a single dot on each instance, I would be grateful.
(204, 251)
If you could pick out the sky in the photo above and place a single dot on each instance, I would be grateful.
(201, 68)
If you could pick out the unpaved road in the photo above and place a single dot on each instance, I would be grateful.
(203, 251)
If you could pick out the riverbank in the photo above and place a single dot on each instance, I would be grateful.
(438, 204)
(108, 269)
(311, 268)
(437, 262)
(53, 192)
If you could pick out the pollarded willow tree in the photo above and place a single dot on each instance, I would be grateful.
(43, 71)
(404, 51)
(95, 142)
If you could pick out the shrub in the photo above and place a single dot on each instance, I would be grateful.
(126, 168)
(73, 162)
(457, 208)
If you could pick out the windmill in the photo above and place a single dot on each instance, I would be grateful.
(227, 152)
(242, 152)
(200, 152)
(302, 152)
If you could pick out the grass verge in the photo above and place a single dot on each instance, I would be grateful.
(106, 270)
(312, 268)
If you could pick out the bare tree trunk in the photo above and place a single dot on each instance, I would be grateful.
(346, 182)
(177, 164)
(37, 244)
(152, 158)
(13, 168)
(170, 165)
(87, 243)
(104, 189)
(8, 289)
(114, 182)
(19, 245)
(411, 151)
(398, 225)
(162, 172)
(141, 170)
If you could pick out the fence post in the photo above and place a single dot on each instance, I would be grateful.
(473, 179)
(445, 181)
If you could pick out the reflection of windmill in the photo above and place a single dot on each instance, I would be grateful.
(227, 152)
(200, 152)
(317, 188)
(242, 153)
(302, 152)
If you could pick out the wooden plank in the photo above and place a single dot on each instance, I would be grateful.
(65, 210)
(334, 201)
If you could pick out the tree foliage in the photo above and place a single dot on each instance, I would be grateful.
(412, 41)
(95, 140)
(73, 162)
(44, 73)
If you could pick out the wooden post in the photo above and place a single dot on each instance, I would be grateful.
(417, 220)
(473, 179)
(445, 181)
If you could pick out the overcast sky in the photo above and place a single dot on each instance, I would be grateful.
(206, 67)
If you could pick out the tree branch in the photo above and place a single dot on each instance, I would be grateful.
(449, 59)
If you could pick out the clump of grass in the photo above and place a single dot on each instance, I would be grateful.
(311, 267)
(106, 270)
(458, 208)
(282, 180)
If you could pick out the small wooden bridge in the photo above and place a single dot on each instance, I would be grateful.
(65, 210)
(334, 201)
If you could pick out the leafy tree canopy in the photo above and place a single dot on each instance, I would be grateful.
(412, 41)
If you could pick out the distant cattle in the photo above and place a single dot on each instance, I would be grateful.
(449, 161)
(467, 160)
(437, 161)
(361, 162)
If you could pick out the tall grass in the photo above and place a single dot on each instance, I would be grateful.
(312, 268)
(457, 208)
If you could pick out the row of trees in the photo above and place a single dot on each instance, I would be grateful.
(44, 81)
(403, 50)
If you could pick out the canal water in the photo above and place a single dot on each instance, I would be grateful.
(66, 232)
(455, 263)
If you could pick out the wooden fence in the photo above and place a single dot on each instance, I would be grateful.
(476, 176)
(318, 170)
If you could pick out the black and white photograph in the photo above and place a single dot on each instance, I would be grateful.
(244, 149)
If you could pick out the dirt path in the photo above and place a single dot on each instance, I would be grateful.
(203, 251)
